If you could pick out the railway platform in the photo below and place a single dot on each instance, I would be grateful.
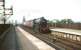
(65, 30)
(18, 39)
(10, 41)
(31, 42)
(69, 37)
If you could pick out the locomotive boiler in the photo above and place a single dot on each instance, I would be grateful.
(38, 25)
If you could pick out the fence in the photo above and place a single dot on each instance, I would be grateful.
(72, 26)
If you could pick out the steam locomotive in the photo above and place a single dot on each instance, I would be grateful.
(38, 25)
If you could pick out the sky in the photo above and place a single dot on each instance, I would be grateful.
(50, 9)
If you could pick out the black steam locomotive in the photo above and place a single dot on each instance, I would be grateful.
(38, 25)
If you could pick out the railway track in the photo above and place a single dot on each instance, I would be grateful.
(59, 44)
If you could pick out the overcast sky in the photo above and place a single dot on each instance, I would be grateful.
(50, 9)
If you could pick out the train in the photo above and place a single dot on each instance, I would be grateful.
(38, 25)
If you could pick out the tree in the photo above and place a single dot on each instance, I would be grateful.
(66, 21)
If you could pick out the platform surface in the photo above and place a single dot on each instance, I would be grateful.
(10, 41)
(34, 43)
(19, 39)
(65, 30)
